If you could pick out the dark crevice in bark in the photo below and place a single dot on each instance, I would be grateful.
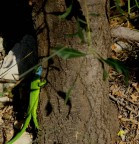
(76, 12)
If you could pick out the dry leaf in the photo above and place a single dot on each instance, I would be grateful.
(135, 97)
(129, 120)
(115, 90)
(136, 86)
(122, 142)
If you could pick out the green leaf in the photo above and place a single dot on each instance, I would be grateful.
(137, 4)
(105, 74)
(81, 34)
(68, 94)
(95, 14)
(68, 53)
(118, 66)
(82, 21)
(117, 4)
(67, 12)
(71, 35)
(1, 94)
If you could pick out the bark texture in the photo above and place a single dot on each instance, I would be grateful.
(89, 117)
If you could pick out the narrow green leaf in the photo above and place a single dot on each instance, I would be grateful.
(105, 74)
(118, 66)
(81, 34)
(68, 94)
(72, 35)
(82, 21)
(1, 94)
(117, 4)
(67, 12)
(137, 3)
(68, 53)
(95, 14)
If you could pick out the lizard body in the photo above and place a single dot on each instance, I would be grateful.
(33, 103)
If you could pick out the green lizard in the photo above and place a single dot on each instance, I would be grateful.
(33, 103)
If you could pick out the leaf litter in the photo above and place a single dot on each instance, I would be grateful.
(127, 100)
(125, 96)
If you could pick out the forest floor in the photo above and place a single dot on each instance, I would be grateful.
(126, 95)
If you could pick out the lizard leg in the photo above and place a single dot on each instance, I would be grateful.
(42, 83)
(34, 113)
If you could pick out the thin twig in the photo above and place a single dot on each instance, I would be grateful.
(40, 63)
(122, 104)
(7, 81)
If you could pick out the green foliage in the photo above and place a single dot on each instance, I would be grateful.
(68, 53)
(117, 4)
(130, 5)
(118, 66)
(80, 20)
(66, 13)
(105, 74)
(72, 35)
(95, 14)
(79, 32)
(68, 94)
(137, 3)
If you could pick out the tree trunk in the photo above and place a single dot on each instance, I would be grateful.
(89, 117)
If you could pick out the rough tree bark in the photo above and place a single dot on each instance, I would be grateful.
(89, 117)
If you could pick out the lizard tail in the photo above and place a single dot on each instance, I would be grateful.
(34, 114)
(22, 130)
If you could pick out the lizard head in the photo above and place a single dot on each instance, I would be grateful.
(38, 71)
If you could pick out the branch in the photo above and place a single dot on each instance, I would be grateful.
(125, 33)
